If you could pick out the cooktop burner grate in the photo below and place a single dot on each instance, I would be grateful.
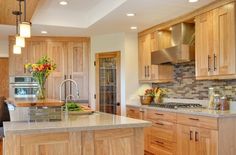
(173, 105)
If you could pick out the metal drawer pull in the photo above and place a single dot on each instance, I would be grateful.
(196, 136)
(131, 110)
(209, 59)
(214, 62)
(159, 123)
(159, 142)
(190, 135)
(159, 114)
(194, 119)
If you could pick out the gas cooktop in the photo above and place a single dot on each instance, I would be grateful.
(173, 105)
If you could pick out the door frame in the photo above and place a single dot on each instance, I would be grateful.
(110, 54)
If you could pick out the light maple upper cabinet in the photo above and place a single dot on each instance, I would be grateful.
(36, 50)
(78, 54)
(148, 72)
(17, 61)
(57, 51)
(215, 44)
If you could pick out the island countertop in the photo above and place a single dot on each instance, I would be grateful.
(95, 121)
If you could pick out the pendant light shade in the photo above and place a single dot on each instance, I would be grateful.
(25, 29)
(20, 41)
(16, 49)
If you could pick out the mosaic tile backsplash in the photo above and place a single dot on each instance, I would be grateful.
(185, 85)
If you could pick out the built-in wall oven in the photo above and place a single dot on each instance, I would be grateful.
(23, 87)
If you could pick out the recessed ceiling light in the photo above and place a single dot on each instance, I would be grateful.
(170, 28)
(63, 3)
(44, 32)
(130, 14)
(192, 1)
(133, 28)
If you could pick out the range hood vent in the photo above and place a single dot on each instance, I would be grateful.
(182, 46)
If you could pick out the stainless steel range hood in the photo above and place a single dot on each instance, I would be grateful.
(182, 46)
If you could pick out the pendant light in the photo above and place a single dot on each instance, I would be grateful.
(16, 48)
(20, 41)
(25, 27)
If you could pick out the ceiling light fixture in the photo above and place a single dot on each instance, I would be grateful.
(16, 49)
(20, 42)
(25, 26)
(44, 32)
(63, 2)
(130, 14)
(192, 1)
(133, 28)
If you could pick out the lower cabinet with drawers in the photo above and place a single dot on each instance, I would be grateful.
(174, 133)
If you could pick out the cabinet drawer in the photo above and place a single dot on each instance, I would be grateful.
(160, 115)
(198, 121)
(133, 113)
(164, 130)
(160, 147)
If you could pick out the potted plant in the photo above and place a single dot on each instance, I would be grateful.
(40, 72)
(148, 96)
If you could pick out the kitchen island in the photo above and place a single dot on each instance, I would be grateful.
(95, 134)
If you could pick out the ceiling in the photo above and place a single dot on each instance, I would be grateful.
(94, 17)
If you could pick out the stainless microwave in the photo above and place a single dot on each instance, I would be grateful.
(23, 87)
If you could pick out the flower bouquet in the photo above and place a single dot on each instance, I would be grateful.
(40, 72)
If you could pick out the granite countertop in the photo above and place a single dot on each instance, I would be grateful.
(95, 121)
(192, 111)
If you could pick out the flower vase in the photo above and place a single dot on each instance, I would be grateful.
(41, 92)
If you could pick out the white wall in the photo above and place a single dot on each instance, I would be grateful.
(128, 45)
(4, 48)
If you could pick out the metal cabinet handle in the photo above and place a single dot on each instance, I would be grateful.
(159, 114)
(159, 123)
(214, 62)
(209, 59)
(190, 135)
(148, 75)
(159, 142)
(194, 119)
(145, 71)
(196, 136)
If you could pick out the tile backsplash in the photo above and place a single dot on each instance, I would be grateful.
(185, 85)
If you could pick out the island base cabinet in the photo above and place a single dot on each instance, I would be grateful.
(196, 141)
(127, 141)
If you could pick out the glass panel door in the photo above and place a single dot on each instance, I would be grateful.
(108, 85)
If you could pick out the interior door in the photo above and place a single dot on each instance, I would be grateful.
(204, 44)
(224, 35)
(78, 68)
(57, 51)
(108, 82)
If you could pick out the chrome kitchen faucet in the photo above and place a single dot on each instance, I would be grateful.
(70, 80)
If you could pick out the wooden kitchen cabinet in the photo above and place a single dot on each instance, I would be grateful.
(134, 112)
(36, 50)
(215, 43)
(78, 53)
(17, 61)
(147, 72)
(4, 80)
(57, 51)
(196, 141)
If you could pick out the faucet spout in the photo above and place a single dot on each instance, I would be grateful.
(69, 80)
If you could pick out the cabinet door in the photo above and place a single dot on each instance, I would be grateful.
(37, 49)
(17, 61)
(144, 58)
(133, 113)
(185, 140)
(204, 44)
(4, 80)
(57, 51)
(78, 68)
(206, 141)
(224, 44)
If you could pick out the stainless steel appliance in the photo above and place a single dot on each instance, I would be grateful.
(23, 87)
(182, 46)
(173, 105)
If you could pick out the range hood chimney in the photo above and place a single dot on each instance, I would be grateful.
(182, 46)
